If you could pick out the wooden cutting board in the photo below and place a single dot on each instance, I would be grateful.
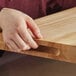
(59, 32)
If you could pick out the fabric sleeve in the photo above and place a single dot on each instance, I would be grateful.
(52, 7)
(65, 4)
(58, 5)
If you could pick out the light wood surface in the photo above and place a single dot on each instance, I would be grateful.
(59, 32)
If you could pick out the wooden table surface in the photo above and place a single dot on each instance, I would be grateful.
(59, 32)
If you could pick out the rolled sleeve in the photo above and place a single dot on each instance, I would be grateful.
(65, 4)
(52, 7)
(59, 5)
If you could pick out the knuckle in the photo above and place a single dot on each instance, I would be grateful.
(27, 40)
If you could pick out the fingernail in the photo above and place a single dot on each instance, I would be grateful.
(39, 35)
(26, 48)
(35, 46)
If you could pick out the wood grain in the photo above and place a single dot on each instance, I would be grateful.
(59, 32)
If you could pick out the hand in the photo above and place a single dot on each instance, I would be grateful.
(15, 25)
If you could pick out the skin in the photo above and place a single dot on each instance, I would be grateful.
(15, 25)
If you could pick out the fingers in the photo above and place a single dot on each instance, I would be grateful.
(33, 27)
(12, 46)
(23, 32)
(20, 43)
